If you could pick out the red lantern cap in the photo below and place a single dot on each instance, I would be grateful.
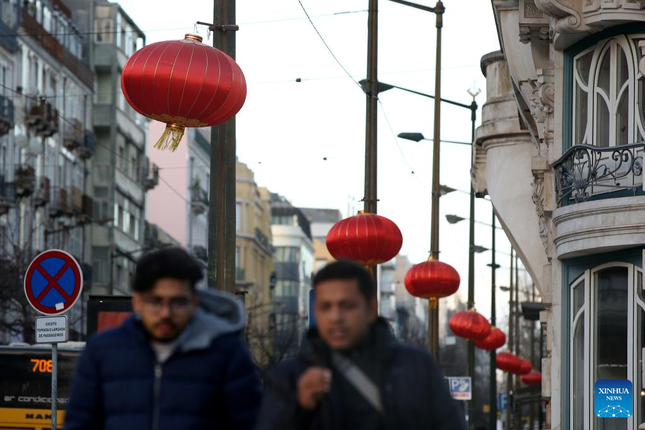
(496, 339)
(524, 368)
(183, 83)
(470, 325)
(432, 280)
(533, 378)
(507, 361)
(367, 238)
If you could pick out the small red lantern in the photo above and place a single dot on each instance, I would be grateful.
(183, 83)
(533, 378)
(432, 280)
(368, 238)
(470, 325)
(507, 362)
(496, 339)
(524, 368)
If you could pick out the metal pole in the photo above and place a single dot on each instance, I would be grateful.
(54, 385)
(221, 217)
(492, 417)
(371, 93)
(471, 270)
(509, 376)
(518, 332)
(434, 239)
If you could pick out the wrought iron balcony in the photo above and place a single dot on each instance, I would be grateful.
(59, 205)
(41, 116)
(74, 135)
(586, 172)
(86, 150)
(6, 115)
(199, 200)
(42, 195)
(25, 178)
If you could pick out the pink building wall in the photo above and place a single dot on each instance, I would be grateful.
(164, 206)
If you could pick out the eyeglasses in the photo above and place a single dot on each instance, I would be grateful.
(176, 305)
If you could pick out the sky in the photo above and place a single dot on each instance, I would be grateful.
(306, 140)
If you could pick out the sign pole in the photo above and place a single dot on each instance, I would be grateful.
(54, 385)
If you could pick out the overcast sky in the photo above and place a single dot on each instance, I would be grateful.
(306, 140)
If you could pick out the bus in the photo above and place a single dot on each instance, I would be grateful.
(25, 384)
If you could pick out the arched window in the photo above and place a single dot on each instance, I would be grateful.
(608, 93)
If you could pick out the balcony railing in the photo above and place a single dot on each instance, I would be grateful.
(199, 200)
(41, 116)
(585, 172)
(6, 114)
(87, 148)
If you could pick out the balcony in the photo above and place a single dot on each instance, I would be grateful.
(59, 205)
(9, 39)
(586, 172)
(263, 240)
(41, 198)
(74, 135)
(8, 196)
(85, 216)
(24, 180)
(86, 150)
(149, 179)
(199, 201)
(76, 201)
(6, 114)
(41, 116)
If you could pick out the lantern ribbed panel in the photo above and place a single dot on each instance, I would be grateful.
(368, 238)
(470, 325)
(525, 367)
(532, 378)
(432, 280)
(183, 82)
(507, 362)
(496, 339)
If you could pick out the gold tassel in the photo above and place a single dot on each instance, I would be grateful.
(170, 138)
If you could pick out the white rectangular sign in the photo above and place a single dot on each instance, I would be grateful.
(51, 329)
(460, 388)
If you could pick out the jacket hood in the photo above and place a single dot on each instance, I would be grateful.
(219, 314)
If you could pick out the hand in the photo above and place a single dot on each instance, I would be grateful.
(312, 385)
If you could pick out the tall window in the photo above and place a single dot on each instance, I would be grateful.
(607, 317)
(609, 93)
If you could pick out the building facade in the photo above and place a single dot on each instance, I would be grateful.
(46, 147)
(293, 265)
(564, 121)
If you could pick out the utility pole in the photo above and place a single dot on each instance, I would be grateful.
(221, 216)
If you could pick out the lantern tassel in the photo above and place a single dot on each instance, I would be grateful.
(170, 138)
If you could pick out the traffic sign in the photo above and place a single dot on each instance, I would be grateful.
(51, 329)
(502, 401)
(53, 282)
(460, 387)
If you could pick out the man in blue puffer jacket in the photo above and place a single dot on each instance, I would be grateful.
(177, 363)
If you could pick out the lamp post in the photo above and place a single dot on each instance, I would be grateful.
(492, 417)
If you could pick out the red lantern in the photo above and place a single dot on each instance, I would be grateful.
(533, 378)
(183, 83)
(524, 368)
(470, 325)
(368, 238)
(432, 280)
(507, 362)
(496, 339)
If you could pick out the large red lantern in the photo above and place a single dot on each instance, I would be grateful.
(507, 362)
(495, 339)
(470, 325)
(183, 83)
(432, 280)
(532, 378)
(524, 368)
(368, 238)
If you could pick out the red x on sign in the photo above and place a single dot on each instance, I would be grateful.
(53, 282)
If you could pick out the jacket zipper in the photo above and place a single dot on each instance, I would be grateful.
(157, 394)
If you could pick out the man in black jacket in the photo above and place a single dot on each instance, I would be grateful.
(351, 373)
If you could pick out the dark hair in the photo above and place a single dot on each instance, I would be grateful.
(346, 269)
(172, 262)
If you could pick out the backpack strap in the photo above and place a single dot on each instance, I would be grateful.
(359, 380)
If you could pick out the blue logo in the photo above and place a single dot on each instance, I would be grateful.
(613, 398)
